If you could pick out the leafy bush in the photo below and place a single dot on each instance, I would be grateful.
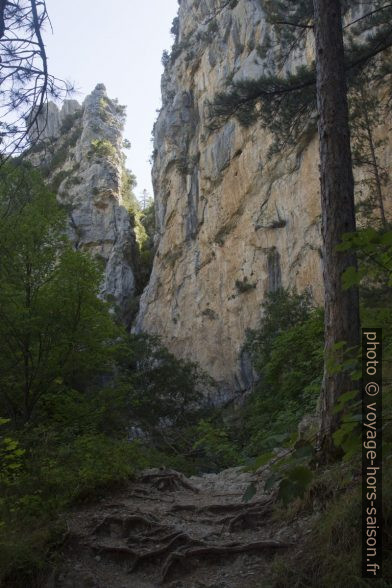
(102, 148)
(56, 473)
(165, 59)
(219, 451)
(143, 221)
(244, 286)
(75, 388)
(10, 457)
(69, 121)
(54, 330)
(331, 553)
(166, 396)
(287, 353)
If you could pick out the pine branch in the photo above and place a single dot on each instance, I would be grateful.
(377, 10)
(292, 24)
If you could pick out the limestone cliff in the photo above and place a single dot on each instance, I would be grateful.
(79, 149)
(232, 224)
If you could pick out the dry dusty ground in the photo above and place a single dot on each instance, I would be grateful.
(168, 530)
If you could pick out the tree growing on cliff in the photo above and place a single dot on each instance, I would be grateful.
(287, 105)
(25, 80)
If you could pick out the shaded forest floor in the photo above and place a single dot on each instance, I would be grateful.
(166, 529)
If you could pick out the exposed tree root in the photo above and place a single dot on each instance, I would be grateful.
(125, 524)
(221, 508)
(167, 480)
(248, 518)
(176, 540)
(179, 546)
(217, 550)
(146, 537)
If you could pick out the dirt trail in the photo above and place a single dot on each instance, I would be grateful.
(168, 530)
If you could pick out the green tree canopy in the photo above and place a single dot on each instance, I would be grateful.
(284, 100)
(54, 330)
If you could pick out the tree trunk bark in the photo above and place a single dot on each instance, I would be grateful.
(3, 4)
(337, 206)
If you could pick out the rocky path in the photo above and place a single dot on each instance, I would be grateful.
(168, 530)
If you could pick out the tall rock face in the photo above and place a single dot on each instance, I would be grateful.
(79, 149)
(232, 224)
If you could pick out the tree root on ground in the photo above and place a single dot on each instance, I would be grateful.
(167, 480)
(221, 508)
(218, 550)
(248, 518)
(173, 539)
(176, 540)
(126, 524)
(179, 546)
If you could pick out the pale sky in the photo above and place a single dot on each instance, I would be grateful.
(117, 43)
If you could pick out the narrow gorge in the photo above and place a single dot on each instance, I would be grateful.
(183, 383)
(233, 224)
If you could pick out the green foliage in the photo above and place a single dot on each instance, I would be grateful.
(244, 286)
(175, 28)
(119, 109)
(165, 396)
(281, 310)
(62, 153)
(52, 324)
(56, 473)
(69, 121)
(368, 109)
(10, 456)
(58, 159)
(218, 449)
(143, 221)
(287, 353)
(374, 277)
(146, 245)
(374, 249)
(104, 111)
(111, 112)
(165, 59)
(102, 148)
(213, 27)
(285, 101)
(285, 106)
(75, 388)
(62, 440)
(332, 551)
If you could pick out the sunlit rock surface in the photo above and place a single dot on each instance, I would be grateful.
(80, 151)
(232, 225)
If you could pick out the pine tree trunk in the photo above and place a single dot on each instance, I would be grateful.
(337, 204)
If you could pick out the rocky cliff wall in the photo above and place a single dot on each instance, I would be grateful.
(79, 148)
(232, 224)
